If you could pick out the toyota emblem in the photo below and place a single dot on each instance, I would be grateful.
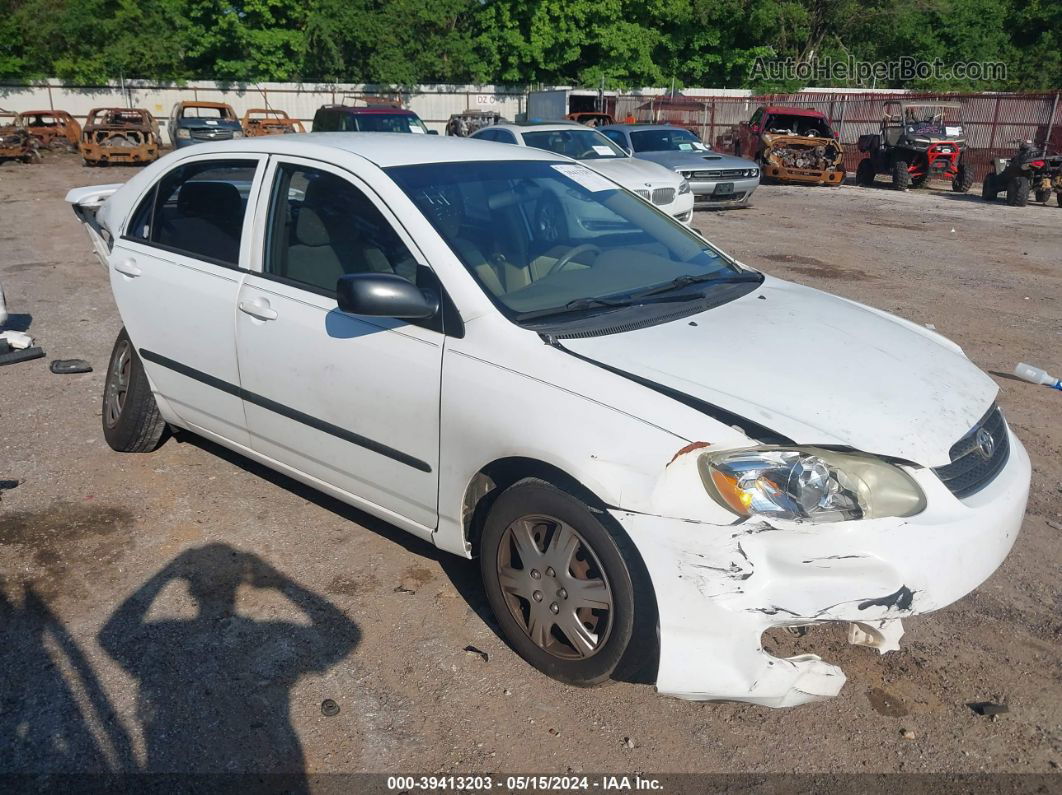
(986, 445)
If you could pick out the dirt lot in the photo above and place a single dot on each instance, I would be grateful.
(188, 610)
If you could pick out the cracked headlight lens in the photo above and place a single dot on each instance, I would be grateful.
(810, 484)
(684, 187)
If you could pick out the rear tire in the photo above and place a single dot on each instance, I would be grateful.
(1018, 191)
(535, 519)
(990, 188)
(963, 180)
(865, 173)
(1042, 195)
(131, 419)
(1058, 198)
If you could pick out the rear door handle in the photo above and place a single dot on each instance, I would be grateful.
(128, 267)
(258, 308)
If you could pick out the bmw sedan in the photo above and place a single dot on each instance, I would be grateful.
(608, 414)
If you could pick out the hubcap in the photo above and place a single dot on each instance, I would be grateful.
(117, 383)
(555, 587)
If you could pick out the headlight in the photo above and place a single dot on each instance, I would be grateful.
(811, 484)
(183, 133)
(237, 134)
(753, 172)
(684, 187)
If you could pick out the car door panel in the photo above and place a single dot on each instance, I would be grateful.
(178, 309)
(351, 401)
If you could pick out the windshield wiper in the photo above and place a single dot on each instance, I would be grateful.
(706, 278)
(576, 305)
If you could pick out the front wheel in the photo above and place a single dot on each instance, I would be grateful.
(990, 188)
(1018, 191)
(1042, 195)
(901, 177)
(963, 180)
(562, 586)
(131, 419)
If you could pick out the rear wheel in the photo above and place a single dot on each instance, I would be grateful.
(865, 172)
(990, 188)
(963, 180)
(131, 419)
(1058, 198)
(1042, 195)
(1018, 191)
(562, 586)
(901, 177)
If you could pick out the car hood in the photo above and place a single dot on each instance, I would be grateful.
(698, 160)
(814, 367)
(630, 172)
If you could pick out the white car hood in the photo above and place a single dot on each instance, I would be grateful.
(634, 174)
(813, 367)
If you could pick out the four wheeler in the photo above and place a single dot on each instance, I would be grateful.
(1030, 170)
(918, 140)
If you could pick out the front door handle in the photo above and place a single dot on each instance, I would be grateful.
(258, 308)
(128, 267)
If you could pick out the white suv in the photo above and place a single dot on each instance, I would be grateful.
(655, 452)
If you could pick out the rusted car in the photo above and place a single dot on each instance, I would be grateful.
(267, 121)
(15, 142)
(792, 145)
(119, 135)
(53, 129)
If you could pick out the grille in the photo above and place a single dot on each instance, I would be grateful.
(212, 135)
(643, 193)
(969, 470)
(719, 173)
(663, 195)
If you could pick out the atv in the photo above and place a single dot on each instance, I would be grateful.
(918, 140)
(1030, 170)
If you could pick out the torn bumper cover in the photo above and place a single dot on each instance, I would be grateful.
(719, 587)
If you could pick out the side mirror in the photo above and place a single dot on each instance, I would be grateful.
(627, 149)
(433, 132)
(384, 295)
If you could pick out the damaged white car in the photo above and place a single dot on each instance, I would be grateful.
(656, 452)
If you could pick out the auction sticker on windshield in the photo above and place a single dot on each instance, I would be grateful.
(585, 178)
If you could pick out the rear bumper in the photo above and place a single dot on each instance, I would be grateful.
(719, 587)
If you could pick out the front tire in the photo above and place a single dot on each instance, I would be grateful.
(1018, 191)
(131, 419)
(901, 177)
(1042, 195)
(562, 586)
(964, 179)
(990, 188)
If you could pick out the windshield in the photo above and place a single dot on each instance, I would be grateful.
(580, 144)
(390, 122)
(666, 140)
(547, 238)
(199, 112)
(786, 124)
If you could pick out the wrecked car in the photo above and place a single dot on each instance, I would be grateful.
(268, 121)
(53, 129)
(196, 122)
(15, 141)
(606, 413)
(119, 135)
(791, 145)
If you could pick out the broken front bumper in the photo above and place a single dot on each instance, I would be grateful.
(719, 587)
(807, 176)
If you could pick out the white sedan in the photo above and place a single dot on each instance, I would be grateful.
(655, 452)
(661, 186)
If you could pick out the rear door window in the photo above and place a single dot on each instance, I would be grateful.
(197, 209)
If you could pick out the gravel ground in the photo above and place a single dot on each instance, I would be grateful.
(188, 610)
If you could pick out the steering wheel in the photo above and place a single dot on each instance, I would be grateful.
(585, 247)
(586, 154)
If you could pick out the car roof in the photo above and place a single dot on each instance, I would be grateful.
(369, 109)
(195, 103)
(790, 111)
(640, 127)
(383, 149)
(552, 126)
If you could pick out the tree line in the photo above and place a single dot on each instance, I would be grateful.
(615, 43)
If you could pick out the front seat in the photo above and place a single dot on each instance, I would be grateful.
(325, 243)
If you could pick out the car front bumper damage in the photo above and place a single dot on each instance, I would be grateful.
(719, 587)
